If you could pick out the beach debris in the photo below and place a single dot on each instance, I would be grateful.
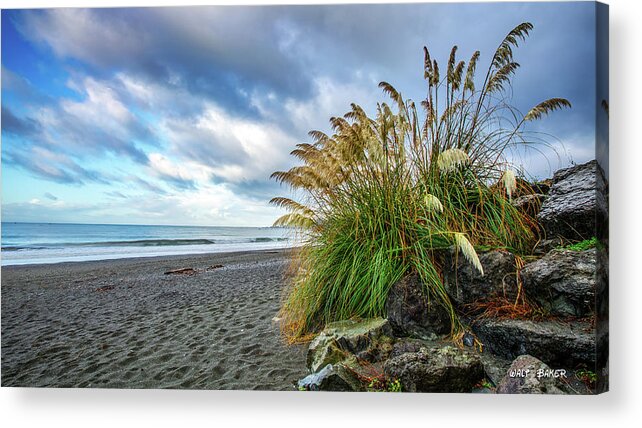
(335, 377)
(105, 288)
(182, 271)
(214, 267)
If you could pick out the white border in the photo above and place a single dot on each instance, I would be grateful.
(109, 408)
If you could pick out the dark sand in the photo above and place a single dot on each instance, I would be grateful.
(124, 324)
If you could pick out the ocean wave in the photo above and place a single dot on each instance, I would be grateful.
(21, 248)
(268, 239)
(144, 243)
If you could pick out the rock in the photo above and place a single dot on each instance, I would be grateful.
(562, 282)
(527, 188)
(557, 344)
(602, 318)
(407, 345)
(529, 204)
(367, 339)
(546, 245)
(528, 375)
(495, 367)
(602, 214)
(411, 313)
(330, 378)
(572, 205)
(436, 369)
(542, 187)
(468, 340)
(465, 285)
(323, 352)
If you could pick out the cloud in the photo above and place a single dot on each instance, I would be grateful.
(50, 196)
(136, 182)
(116, 194)
(180, 176)
(85, 34)
(192, 102)
(12, 124)
(210, 50)
(229, 148)
(213, 204)
(53, 166)
(26, 92)
(57, 138)
(100, 119)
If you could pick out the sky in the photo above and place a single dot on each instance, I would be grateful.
(178, 115)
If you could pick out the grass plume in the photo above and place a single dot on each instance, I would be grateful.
(383, 196)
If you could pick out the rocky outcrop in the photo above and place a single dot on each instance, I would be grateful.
(557, 344)
(369, 340)
(562, 282)
(528, 375)
(412, 313)
(572, 205)
(465, 285)
(519, 356)
(331, 378)
(436, 369)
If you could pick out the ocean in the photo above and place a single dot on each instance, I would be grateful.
(32, 243)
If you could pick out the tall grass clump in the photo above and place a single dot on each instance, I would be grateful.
(385, 195)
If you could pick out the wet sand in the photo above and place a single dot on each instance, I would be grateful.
(125, 324)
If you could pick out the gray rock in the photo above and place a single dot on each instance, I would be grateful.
(466, 285)
(562, 282)
(546, 245)
(542, 187)
(557, 344)
(602, 213)
(407, 345)
(495, 367)
(531, 203)
(436, 369)
(367, 339)
(528, 375)
(330, 378)
(412, 313)
(468, 340)
(572, 205)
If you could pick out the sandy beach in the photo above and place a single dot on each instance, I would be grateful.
(126, 324)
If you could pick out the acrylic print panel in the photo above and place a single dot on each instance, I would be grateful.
(291, 198)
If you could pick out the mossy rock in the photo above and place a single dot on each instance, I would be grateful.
(367, 339)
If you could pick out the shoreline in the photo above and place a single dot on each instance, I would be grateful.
(8, 263)
(124, 323)
(152, 258)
